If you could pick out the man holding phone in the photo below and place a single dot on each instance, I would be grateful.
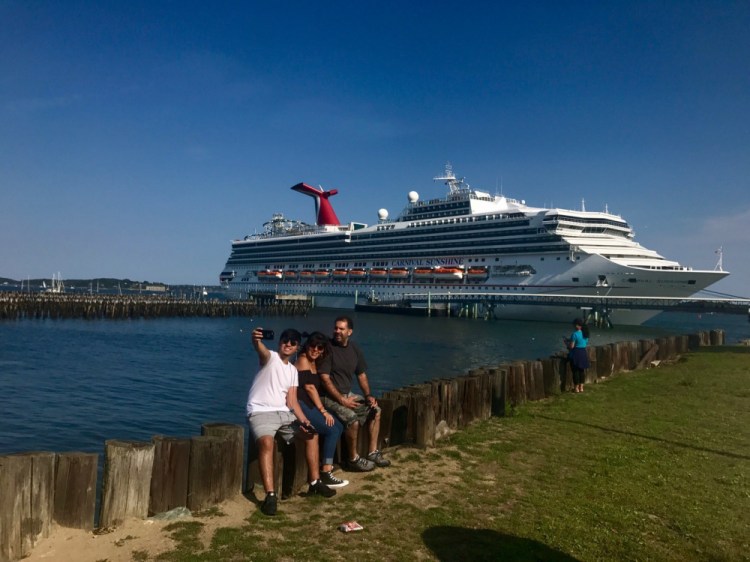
(337, 371)
(272, 408)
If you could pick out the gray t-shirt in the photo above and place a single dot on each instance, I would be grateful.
(343, 363)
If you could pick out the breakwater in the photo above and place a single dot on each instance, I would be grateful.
(17, 306)
(39, 489)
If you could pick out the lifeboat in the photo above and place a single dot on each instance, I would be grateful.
(340, 274)
(448, 273)
(477, 273)
(398, 273)
(423, 273)
(322, 273)
(306, 274)
(290, 275)
(378, 273)
(270, 275)
(357, 273)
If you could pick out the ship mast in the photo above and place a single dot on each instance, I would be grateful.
(453, 183)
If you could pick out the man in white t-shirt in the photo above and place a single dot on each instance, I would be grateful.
(272, 408)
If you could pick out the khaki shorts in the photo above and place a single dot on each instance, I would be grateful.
(272, 423)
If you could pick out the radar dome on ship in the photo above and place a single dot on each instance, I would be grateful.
(413, 197)
(382, 214)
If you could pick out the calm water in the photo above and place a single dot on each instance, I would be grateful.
(70, 385)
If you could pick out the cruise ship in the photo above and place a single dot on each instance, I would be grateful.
(467, 242)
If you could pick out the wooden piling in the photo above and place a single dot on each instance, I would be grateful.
(126, 486)
(75, 490)
(211, 456)
(169, 477)
(236, 435)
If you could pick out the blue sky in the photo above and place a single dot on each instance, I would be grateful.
(138, 138)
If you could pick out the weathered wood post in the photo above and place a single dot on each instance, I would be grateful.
(75, 490)
(169, 477)
(236, 435)
(127, 481)
(551, 376)
(207, 480)
(26, 502)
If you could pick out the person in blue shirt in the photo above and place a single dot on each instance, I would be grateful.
(578, 356)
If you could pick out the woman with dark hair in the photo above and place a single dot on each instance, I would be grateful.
(308, 394)
(578, 356)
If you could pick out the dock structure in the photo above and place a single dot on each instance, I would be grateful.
(16, 306)
(594, 308)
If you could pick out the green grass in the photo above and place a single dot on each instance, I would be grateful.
(651, 465)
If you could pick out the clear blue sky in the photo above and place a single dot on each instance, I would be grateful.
(138, 138)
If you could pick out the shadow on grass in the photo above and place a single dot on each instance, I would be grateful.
(459, 543)
(649, 437)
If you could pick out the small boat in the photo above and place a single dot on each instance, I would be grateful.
(477, 273)
(270, 275)
(290, 275)
(306, 274)
(357, 273)
(398, 273)
(322, 273)
(341, 274)
(448, 273)
(423, 273)
(378, 273)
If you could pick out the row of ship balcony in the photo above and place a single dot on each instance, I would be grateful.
(441, 273)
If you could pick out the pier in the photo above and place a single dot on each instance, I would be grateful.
(594, 308)
(16, 306)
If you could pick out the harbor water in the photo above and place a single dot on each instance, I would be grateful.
(69, 385)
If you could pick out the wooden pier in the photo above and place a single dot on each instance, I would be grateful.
(16, 306)
(41, 489)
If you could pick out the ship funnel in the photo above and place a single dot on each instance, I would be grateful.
(324, 213)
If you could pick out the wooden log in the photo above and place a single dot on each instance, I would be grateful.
(551, 376)
(14, 485)
(589, 375)
(716, 337)
(386, 422)
(537, 379)
(126, 486)
(517, 383)
(399, 416)
(498, 390)
(294, 469)
(468, 389)
(649, 356)
(207, 480)
(27, 488)
(75, 490)
(236, 435)
(604, 361)
(169, 477)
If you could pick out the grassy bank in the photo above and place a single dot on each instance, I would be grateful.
(653, 465)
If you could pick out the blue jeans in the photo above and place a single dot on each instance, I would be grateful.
(329, 434)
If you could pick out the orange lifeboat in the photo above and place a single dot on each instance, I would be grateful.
(378, 273)
(270, 275)
(448, 273)
(322, 273)
(340, 274)
(398, 273)
(306, 274)
(477, 273)
(423, 273)
(290, 275)
(357, 273)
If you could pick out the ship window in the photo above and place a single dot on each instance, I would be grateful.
(575, 279)
(632, 280)
(691, 282)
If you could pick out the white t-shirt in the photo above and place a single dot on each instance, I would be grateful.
(271, 385)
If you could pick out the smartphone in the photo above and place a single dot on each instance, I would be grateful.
(268, 334)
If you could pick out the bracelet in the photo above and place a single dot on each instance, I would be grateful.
(324, 411)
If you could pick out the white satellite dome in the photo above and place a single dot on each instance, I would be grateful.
(413, 197)
(382, 214)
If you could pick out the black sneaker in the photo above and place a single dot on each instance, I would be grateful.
(376, 457)
(331, 481)
(269, 504)
(320, 489)
(360, 465)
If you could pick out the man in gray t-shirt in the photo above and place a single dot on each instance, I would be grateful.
(337, 372)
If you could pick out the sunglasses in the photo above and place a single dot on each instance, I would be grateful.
(289, 341)
(318, 347)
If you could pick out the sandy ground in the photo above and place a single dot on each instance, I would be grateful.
(72, 545)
